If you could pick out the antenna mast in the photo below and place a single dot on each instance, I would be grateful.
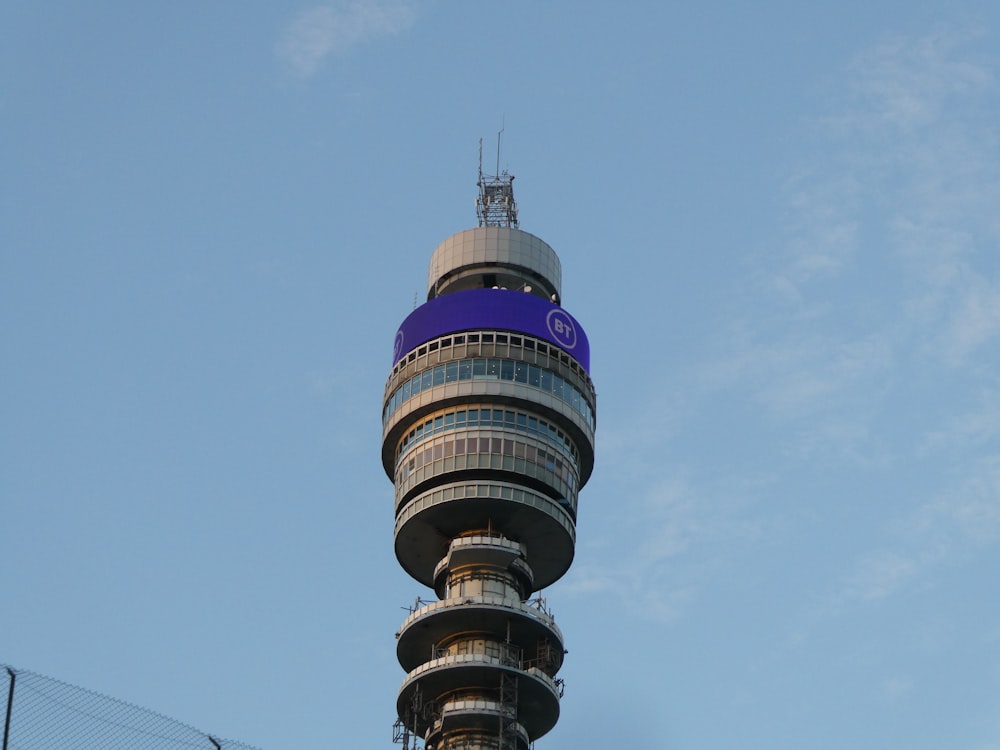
(495, 204)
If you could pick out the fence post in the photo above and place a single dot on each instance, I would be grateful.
(10, 703)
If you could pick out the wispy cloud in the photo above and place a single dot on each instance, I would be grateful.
(874, 325)
(667, 532)
(337, 27)
(895, 688)
(822, 226)
(968, 431)
(948, 529)
(975, 321)
(967, 515)
(886, 308)
(879, 574)
(892, 233)
(925, 149)
(904, 84)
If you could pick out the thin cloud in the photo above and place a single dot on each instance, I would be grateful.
(896, 688)
(895, 217)
(976, 321)
(972, 429)
(880, 574)
(336, 28)
(822, 225)
(679, 536)
(951, 527)
(823, 375)
(967, 516)
(929, 155)
(888, 295)
(905, 84)
(879, 306)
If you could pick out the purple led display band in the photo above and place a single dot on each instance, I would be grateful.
(497, 309)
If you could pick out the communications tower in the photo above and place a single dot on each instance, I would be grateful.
(488, 435)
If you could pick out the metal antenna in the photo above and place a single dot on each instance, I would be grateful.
(495, 205)
(499, 134)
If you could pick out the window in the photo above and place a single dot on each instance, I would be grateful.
(494, 368)
(545, 381)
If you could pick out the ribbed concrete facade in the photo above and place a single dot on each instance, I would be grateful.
(488, 435)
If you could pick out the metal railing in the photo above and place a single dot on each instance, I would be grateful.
(42, 713)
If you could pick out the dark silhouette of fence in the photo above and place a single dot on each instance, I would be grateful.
(43, 713)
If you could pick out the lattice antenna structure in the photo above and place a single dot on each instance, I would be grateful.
(488, 424)
(495, 205)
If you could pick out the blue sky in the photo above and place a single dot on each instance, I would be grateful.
(778, 223)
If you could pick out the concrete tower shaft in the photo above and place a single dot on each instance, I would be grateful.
(488, 435)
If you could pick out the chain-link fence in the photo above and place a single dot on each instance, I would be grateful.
(41, 713)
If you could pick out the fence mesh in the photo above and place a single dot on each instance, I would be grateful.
(43, 713)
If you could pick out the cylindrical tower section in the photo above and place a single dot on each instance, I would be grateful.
(495, 258)
(488, 435)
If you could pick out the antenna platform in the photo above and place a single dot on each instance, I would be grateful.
(495, 205)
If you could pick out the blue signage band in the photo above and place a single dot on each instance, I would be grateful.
(496, 309)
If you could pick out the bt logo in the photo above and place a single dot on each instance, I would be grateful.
(561, 327)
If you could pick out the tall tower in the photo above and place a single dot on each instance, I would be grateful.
(488, 434)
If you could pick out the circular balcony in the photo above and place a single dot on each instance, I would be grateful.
(429, 625)
(427, 523)
(537, 693)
